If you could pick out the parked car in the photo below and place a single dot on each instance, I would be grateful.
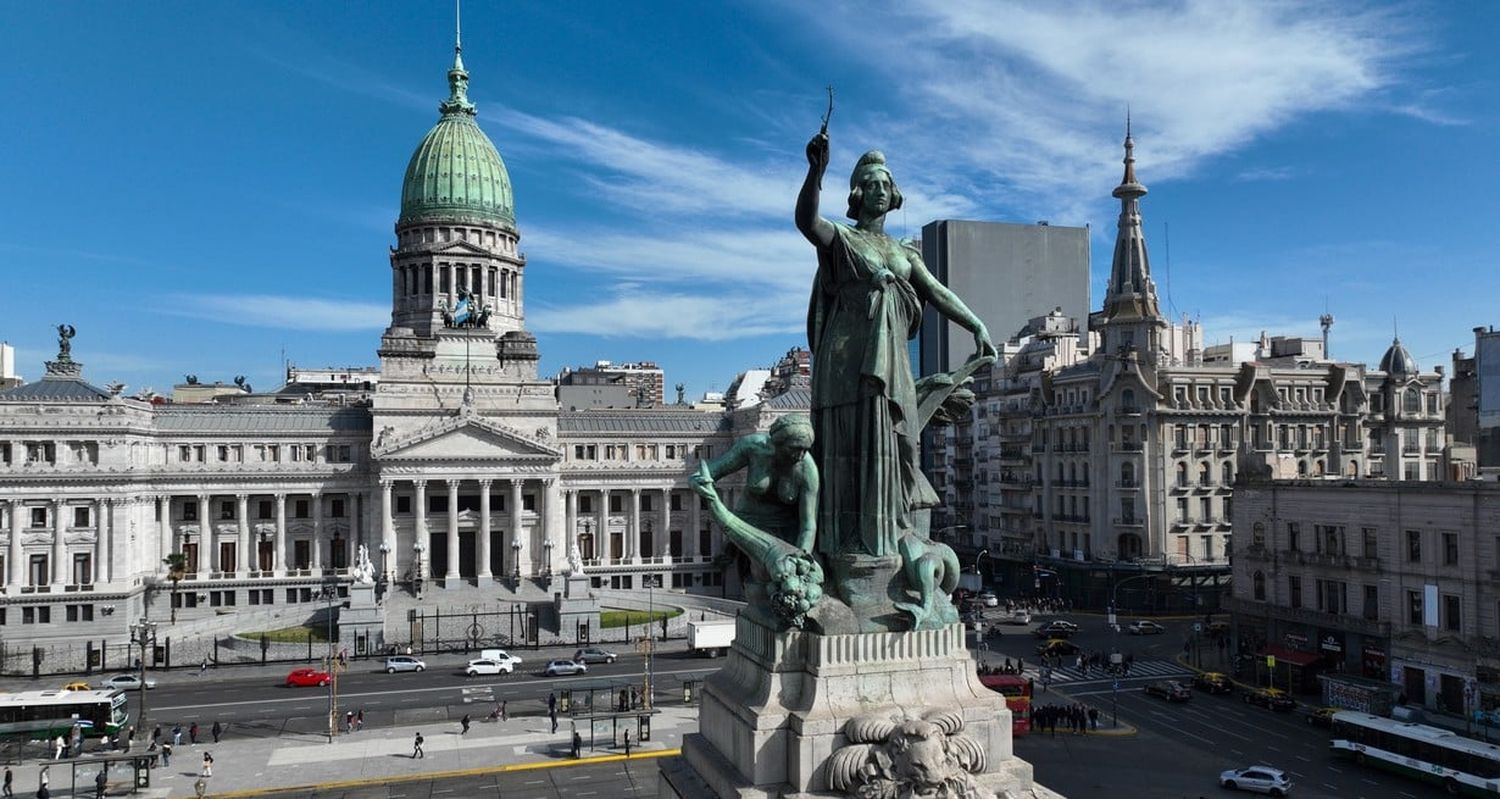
(1260, 779)
(593, 654)
(78, 685)
(1273, 698)
(1144, 627)
(125, 682)
(989, 600)
(1056, 628)
(397, 663)
(302, 678)
(1322, 716)
(1170, 690)
(1058, 646)
(1213, 682)
(488, 666)
(565, 668)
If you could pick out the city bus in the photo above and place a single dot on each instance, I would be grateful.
(1017, 692)
(1459, 764)
(34, 715)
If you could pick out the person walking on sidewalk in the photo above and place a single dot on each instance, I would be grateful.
(359, 719)
(193, 734)
(208, 764)
(101, 781)
(627, 743)
(416, 749)
(5, 790)
(217, 731)
(166, 755)
(504, 713)
(177, 735)
(464, 724)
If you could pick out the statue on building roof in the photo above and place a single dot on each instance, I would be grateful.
(65, 334)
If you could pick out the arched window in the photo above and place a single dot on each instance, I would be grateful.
(1127, 399)
(1226, 472)
(1413, 402)
(1073, 473)
(1182, 479)
(1301, 468)
(1258, 534)
(1127, 474)
(1203, 474)
(1259, 580)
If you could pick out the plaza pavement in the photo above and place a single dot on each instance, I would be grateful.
(245, 767)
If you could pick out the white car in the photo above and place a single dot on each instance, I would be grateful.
(989, 599)
(1019, 617)
(487, 666)
(125, 682)
(1146, 628)
(1259, 779)
(502, 656)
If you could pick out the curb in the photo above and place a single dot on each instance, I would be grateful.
(1123, 730)
(450, 774)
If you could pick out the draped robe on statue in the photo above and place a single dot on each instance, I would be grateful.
(864, 403)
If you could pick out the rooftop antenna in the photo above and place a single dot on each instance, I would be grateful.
(458, 26)
(1326, 322)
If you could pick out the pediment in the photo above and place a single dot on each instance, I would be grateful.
(462, 247)
(468, 438)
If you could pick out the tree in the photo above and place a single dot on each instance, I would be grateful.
(176, 569)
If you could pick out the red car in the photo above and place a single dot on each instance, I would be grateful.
(301, 678)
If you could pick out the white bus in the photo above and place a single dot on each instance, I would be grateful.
(1459, 764)
(34, 715)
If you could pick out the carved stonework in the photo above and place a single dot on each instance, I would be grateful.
(890, 758)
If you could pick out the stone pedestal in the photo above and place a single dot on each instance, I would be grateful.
(576, 605)
(361, 625)
(775, 714)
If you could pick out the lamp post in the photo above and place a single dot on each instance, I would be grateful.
(417, 570)
(1114, 623)
(515, 561)
(983, 553)
(547, 559)
(331, 593)
(385, 551)
(142, 634)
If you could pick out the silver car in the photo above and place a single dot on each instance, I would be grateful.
(397, 663)
(565, 668)
(1260, 779)
(125, 682)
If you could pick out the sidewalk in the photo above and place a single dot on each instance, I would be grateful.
(248, 766)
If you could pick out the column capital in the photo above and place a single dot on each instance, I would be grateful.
(486, 483)
(387, 483)
(242, 497)
(421, 485)
(280, 496)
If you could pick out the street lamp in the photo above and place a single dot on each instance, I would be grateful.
(937, 535)
(385, 551)
(331, 593)
(547, 558)
(142, 634)
(983, 553)
(515, 561)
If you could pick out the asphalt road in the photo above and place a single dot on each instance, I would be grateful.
(259, 703)
(598, 781)
(1181, 747)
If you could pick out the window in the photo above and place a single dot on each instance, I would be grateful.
(1368, 542)
(1414, 546)
(336, 508)
(79, 612)
(1371, 609)
(83, 568)
(37, 615)
(226, 509)
(437, 503)
(1258, 535)
(1331, 596)
(38, 517)
(1259, 581)
(615, 503)
(1182, 510)
(1414, 607)
(1452, 614)
(676, 501)
(299, 509)
(1182, 475)
(528, 502)
(585, 503)
(1294, 591)
(1293, 536)
(1450, 549)
(80, 517)
(1226, 473)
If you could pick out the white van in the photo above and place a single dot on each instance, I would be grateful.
(499, 655)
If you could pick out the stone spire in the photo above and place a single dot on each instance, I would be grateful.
(1131, 296)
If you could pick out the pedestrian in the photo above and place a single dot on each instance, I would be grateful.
(464, 724)
(61, 746)
(130, 734)
(177, 735)
(627, 743)
(44, 776)
(1094, 718)
(577, 746)
(193, 734)
(203, 667)
(504, 715)
(208, 764)
(43, 793)
(217, 731)
(156, 735)
(5, 790)
(348, 721)
(105, 743)
(100, 783)
(552, 702)
(359, 719)
(416, 750)
(166, 755)
(553, 715)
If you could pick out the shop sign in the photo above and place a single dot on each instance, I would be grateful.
(1332, 644)
(1297, 641)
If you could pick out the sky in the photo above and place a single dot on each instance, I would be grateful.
(211, 188)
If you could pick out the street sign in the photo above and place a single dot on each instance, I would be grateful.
(1197, 626)
(1117, 685)
(1270, 661)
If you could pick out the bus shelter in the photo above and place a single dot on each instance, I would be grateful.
(133, 770)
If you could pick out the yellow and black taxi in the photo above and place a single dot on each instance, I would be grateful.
(1321, 716)
(1058, 647)
(1213, 682)
(1273, 698)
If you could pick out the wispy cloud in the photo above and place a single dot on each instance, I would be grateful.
(634, 311)
(1265, 174)
(286, 313)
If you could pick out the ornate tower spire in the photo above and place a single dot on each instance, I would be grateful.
(458, 77)
(1131, 296)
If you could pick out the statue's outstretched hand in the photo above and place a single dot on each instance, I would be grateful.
(982, 344)
(817, 153)
(703, 483)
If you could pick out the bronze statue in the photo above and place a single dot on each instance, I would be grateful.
(65, 333)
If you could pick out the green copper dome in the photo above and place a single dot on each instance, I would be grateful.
(456, 173)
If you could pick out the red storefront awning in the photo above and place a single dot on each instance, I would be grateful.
(1292, 656)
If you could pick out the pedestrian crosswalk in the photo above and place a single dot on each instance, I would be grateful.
(1140, 669)
(483, 694)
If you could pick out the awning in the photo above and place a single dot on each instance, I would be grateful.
(1292, 656)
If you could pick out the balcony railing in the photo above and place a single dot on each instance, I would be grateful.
(1127, 446)
(1127, 484)
(1129, 521)
(1337, 621)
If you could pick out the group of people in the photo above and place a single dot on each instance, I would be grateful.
(1008, 667)
(354, 721)
(1076, 718)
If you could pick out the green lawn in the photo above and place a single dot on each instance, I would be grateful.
(619, 618)
(293, 635)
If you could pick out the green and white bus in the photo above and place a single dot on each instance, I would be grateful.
(1461, 765)
(33, 715)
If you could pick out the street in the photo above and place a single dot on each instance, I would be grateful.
(1181, 747)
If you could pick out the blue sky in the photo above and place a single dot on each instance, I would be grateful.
(200, 186)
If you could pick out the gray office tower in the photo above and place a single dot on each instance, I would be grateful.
(1007, 274)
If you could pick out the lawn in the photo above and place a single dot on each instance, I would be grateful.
(293, 635)
(619, 618)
